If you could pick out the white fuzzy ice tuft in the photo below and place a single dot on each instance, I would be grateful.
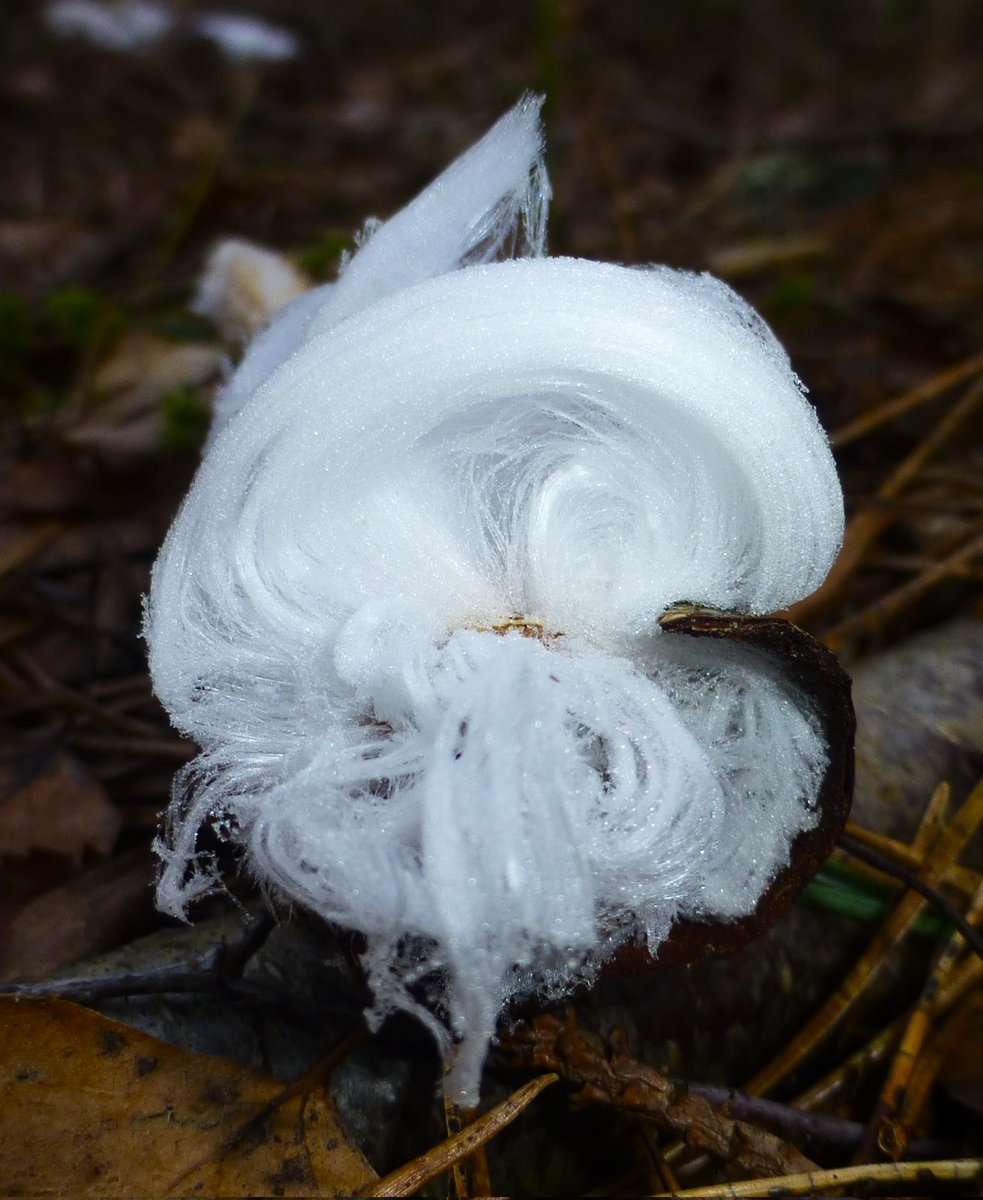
(123, 27)
(439, 443)
(243, 286)
(246, 38)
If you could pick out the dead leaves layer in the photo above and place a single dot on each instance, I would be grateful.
(90, 1107)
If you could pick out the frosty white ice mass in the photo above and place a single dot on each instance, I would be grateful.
(409, 609)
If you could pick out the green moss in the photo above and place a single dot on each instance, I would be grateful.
(16, 326)
(322, 259)
(185, 416)
(838, 889)
(73, 314)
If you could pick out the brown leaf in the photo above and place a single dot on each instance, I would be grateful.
(143, 369)
(57, 808)
(91, 1107)
(103, 907)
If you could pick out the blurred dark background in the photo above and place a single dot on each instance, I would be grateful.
(825, 157)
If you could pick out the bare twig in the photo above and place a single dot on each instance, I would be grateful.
(913, 398)
(607, 1074)
(32, 541)
(844, 1074)
(897, 600)
(410, 1178)
(934, 1175)
(47, 692)
(959, 879)
(867, 526)
(218, 966)
(931, 893)
(886, 1131)
(877, 1049)
(871, 964)
(170, 749)
(470, 1175)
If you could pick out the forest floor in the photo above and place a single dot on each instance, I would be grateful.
(824, 158)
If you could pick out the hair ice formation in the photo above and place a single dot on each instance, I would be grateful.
(416, 468)
(125, 26)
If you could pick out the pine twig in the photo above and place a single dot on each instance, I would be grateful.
(964, 980)
(889, 606)
(959, 879)
(932, 1174)
(471, 1177)
(871, 964)
(608, 1074)
(899, 405)
(871, 1054)
(406, 1180)
(929, 891)
(866, 527)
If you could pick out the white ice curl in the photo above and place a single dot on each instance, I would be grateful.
(401, 470)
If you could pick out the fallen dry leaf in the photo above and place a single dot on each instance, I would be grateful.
(90, 1107)
(103, 907)
(54, 806)
(143, 369)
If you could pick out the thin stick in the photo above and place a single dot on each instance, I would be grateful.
(924, 1073)
(793, 1123)
(881, 1133)
(949, 424)
(913, 398)
(871, 964)
(964, 980)
(871, 1054)
(170, 749)
(897, 600)
(59, 695)
(886, 1131)
(959, 879)
(867, 526)
(953, 1170)
(471, 1177)
(912, 564)
(932, 894)
(933, 821)
(406, 1180)
(317, 1078)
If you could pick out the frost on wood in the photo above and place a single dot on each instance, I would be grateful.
(410, 607)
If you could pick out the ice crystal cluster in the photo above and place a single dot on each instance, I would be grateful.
(409, 608)
(125, 26)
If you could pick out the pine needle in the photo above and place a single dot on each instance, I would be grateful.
(870, 966)
(944, 1171)
(913, 398)
(406, 1180)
